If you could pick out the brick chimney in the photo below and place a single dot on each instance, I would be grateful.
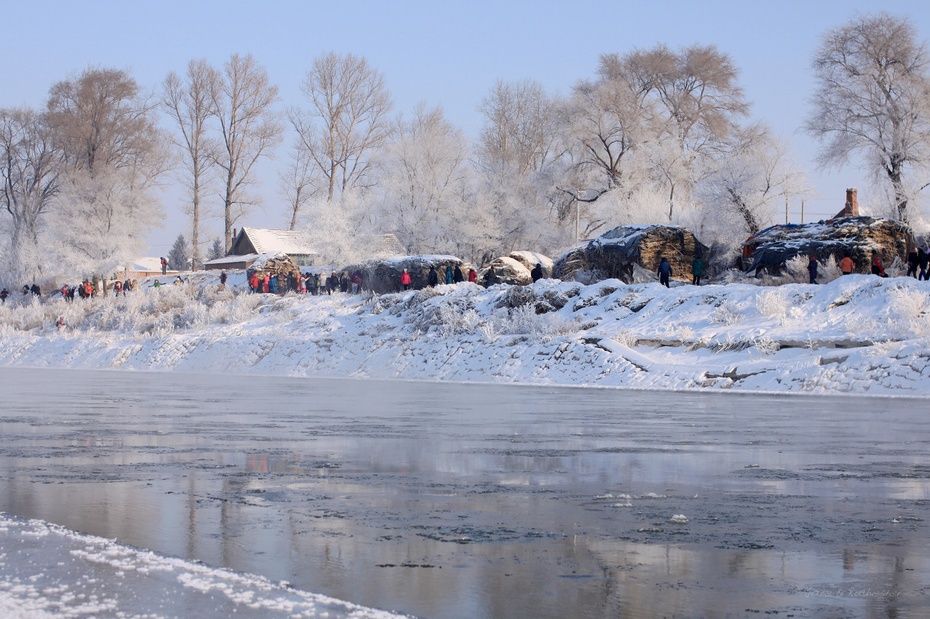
(852, 203)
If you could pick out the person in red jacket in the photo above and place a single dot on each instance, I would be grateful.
(405, 280)
(877, 267)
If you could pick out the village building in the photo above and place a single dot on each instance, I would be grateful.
(140, 268)
(250, 243)
(300, 246)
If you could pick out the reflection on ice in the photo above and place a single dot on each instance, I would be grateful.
(480, 500)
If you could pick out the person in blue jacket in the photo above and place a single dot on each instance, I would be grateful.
(665, 272)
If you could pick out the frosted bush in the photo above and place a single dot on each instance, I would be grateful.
(796, 269)
(766, 345)
(726, 314)
(525, 320)
(677, 331)
(773, 303)
(455, 322)
(912, 308)
(828, 271)
(626, 338)
(425, 294)
(897, 268)
(729, 343)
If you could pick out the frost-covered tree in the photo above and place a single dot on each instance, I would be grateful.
(300, 182)
(872, 99)
(113, 155)
(341, 229)
(243, 100)
(521, 129)
(425, 184)
(697, 110)
(519, 154)
(216, 250)
(609, 123)
(30, 167)
(179, 256)
(347, 120)
(747, 189)
(187, 101)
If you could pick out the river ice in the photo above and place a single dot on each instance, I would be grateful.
(455, 500)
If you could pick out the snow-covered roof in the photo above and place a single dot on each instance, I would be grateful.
(145, 263)
(247, 258)
(627, 236)
(291, 242)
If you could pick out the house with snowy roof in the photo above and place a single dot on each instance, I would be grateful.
(145, 266)
(299, 245)
(250, 243)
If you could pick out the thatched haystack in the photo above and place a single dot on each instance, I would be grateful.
(616, 253)
(273, 264)
(383, 276)
(771, 248)
(515, 268)
(572, 266)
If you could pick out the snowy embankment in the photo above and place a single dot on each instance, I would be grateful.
(856, 334)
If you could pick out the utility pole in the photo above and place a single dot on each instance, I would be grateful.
(786, 211)
(802, 211)
(577, 217)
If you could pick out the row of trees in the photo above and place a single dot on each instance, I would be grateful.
(657, 135)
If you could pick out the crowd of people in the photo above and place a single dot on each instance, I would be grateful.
(304, 283)
(88, 289)
(918, 263)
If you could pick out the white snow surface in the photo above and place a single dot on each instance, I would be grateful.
(49, 571)
(858, 334)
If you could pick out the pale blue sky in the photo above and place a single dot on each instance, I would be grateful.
(443, 53)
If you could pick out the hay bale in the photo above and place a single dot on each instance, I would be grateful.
(515, 268)
(618, 253)
(278, 264)
(572, 266)
(770, 249)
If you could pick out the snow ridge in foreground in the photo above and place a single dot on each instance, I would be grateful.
(48, 571)
(856, 334)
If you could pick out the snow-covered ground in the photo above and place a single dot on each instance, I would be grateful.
(856, 334)
(51, 572)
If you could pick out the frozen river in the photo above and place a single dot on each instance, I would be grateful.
(453, 500)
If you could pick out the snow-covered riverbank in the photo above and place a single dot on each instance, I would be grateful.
(857, 334)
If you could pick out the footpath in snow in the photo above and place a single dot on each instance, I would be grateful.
(858, 334)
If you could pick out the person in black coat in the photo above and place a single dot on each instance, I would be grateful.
(913, 259)
(665, 272)
(432, 278)
(923, 259)
(537, 272)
